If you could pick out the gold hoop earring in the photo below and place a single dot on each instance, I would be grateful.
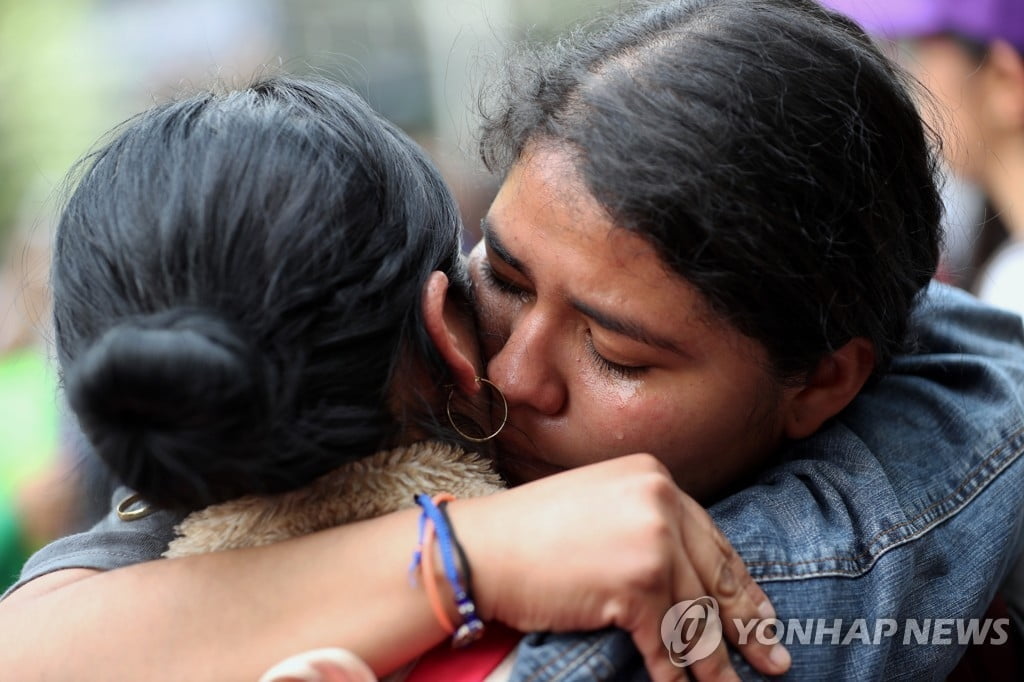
(504, 418)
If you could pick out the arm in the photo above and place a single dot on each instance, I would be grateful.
(231, 615)
(223, 616)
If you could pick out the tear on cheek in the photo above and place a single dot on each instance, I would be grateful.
(626, 398)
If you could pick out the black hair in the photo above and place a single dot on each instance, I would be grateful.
(766, 147)
(237, 278)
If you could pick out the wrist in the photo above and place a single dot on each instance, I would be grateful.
(434, 571)
(437, 536)
(482, 553)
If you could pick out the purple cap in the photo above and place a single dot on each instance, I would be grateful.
(981, 20)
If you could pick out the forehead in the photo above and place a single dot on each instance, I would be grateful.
(545, 200)
(546, 220)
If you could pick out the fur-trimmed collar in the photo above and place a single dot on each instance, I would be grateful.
(369, 487)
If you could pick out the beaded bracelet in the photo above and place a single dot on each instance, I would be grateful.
(434, 521)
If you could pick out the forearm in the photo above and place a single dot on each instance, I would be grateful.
(541, 561)
(229, 615)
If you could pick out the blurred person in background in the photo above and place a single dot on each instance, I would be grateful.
(970, 56)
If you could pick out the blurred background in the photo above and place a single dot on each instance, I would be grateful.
(70, 70)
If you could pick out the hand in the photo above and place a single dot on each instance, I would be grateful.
(610, 544)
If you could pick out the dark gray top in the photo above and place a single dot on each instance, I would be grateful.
(111, 543)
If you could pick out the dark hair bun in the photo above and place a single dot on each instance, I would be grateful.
(174, 404)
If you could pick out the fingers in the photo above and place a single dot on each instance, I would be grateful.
(659, 665)
(710, 597)
(741, 602)
(693, 636)
(677, 626)
(691, 646)
(690, 632)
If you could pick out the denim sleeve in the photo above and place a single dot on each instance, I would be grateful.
(878, 538)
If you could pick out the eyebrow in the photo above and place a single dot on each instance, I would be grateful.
(619, 325)
(625, 327)
(495, 244)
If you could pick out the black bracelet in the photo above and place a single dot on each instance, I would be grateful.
(467, 572)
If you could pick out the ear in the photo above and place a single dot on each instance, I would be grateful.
(834, 383)
(448, 331)
(1004, 67)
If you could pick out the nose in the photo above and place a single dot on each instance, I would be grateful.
(526, 367)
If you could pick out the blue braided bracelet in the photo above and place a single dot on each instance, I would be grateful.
(472, 628)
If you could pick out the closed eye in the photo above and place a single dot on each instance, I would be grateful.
(501, 285)
(606, 365)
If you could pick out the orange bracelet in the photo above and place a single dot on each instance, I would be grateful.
(427, 574)
(429, 579)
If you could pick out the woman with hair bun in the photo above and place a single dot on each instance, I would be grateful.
(257, 295)
(229, 325)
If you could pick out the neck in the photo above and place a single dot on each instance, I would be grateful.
(1004, 183)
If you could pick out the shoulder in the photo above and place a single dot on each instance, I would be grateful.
(111, 543)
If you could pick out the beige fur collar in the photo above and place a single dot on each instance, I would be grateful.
(375, 485)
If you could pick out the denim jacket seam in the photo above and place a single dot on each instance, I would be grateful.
(569, 659)
(586, 655)
(595, 664)
(971, 483)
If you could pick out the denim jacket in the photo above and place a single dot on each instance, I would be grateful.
(906, 509)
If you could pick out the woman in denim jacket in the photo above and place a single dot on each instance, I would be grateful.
(713, 131)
